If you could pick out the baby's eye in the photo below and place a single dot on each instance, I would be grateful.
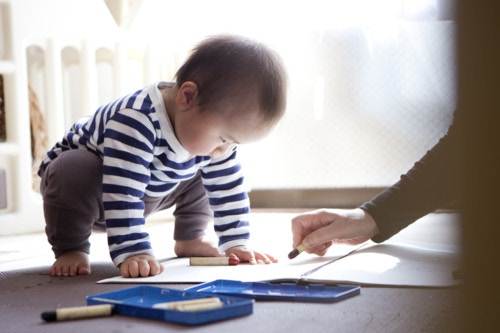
(222, 139)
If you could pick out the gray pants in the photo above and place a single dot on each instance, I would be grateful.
(71, 188)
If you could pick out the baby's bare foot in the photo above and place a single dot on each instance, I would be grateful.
(70, 264)
(198, 247)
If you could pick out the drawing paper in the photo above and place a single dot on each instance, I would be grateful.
(425, 254)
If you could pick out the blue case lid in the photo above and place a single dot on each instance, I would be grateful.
(281, 291)
(139, 301)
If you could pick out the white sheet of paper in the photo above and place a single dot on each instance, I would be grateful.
(393, 264)
(414, 258)
(384, 264)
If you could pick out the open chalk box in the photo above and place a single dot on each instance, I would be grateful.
(177, 306)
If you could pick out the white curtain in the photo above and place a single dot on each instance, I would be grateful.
(370, 94)
(372, 83)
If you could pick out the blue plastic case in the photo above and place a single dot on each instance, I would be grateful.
(282, 291)
(139, 302)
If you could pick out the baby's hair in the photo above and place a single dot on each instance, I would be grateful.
(228, 68)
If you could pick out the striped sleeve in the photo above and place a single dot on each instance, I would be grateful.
(127, 155)
(229, 201)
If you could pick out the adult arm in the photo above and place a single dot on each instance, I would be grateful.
(432, 182)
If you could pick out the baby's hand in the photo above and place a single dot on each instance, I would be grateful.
(141, 265)
(245, 254)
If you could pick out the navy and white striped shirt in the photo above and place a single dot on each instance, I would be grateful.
(141, 156)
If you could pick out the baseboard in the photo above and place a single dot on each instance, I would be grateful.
(312, 198)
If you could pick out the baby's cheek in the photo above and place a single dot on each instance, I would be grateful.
(221, 150)
(217, 151)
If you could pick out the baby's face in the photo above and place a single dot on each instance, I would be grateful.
(208, 133)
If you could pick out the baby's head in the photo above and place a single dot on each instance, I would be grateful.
(233, 75)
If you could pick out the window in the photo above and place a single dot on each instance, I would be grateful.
(372, 83)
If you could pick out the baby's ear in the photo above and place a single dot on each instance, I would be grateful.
(186, 95)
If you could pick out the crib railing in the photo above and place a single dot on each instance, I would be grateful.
(48, 83)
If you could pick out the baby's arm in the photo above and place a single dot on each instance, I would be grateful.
(127, 154)
(141, 265)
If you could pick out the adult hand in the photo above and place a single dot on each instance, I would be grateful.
(318, 230)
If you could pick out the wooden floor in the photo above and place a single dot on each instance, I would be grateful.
(27, 290)
(25, 294)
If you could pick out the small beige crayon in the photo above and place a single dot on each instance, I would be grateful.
(78, 312)
(213, 261)
(192, 305)
(295, 252)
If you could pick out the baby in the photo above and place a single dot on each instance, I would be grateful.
(170, 143)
